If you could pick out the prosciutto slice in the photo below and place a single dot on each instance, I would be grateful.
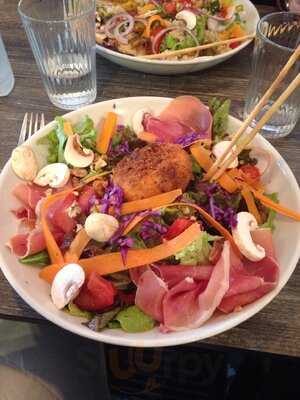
(150, 293)
(189, 304)
(86, 198)
(23, 212)
(184, 115)
(58, 214)
(173, 274)
(29, 194)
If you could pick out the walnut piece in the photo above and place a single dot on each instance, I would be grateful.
(79, 172)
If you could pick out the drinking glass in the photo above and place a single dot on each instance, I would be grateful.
(62, 38)
(277, 36)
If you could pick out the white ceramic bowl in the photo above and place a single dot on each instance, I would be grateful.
(161, 67)
(35, 292)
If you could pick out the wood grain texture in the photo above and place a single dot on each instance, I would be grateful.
(276, 328)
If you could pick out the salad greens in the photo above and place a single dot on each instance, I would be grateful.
(75, 311)
(271, 213)
(40, 259)
(100, 321)
(134, 320)
(220, 112)
(198, 251)
(87, 132)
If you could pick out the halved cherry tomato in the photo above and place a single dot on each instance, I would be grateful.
(234, 45)
(178, 226)
(154, 32)
(251, 172)
(96, 294)
(170, 7)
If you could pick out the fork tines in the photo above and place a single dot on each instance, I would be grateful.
(30, 125)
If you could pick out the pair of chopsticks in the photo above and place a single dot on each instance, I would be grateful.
(188, 50)
(220, 165)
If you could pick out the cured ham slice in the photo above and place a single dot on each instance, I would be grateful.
(189, 304)
(29, 193)
(173, 274)
(86, 198)
(136, 273)
(150, 293)
(23, 212)
(59, 215)
(184, 115)
(25, 244)
(264, 238)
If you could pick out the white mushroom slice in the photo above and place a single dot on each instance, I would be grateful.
(24, 163)
(246, 223)
(55, 175)
(220, 148)
(101, 227)
(137, 120)
(66, 285)
(76, 155)
(188, 17)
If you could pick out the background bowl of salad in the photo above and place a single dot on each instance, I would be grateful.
(27, 283)
(127, 30)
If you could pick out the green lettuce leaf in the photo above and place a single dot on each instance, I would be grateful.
(61, 137)
(200, 28)
(87, 132)
(75, 311)
(220, 112)
(134, 320)
(40, 259)
(101, 321)
(271, 213)
(198, 251)
(52, 142)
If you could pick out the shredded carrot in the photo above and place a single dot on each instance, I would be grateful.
(202, 156)
(147, 137)
(52, 247)
(77, 246)
(68, 130)
(220, 228)
(106, 133)
(147, 31)
(152, 202)
(109, 263)
(274, 206)
(248, 197)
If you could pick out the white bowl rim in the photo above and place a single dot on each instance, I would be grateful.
(197, 60)
(166, 339)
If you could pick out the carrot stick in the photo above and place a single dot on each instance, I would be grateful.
(132, 224)
(109, 263)
(202, 156)
(220, 228)
(105, 135)
(152, 202)
(52, 247)
(152, 19)
(77, 246)
(68, 130)
(147, 137)
(248, 197)
(274, 206)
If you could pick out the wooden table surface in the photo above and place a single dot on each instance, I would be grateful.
(276, 328)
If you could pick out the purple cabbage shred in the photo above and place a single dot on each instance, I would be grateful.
(113, 197)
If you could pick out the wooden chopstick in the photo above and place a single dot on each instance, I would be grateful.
(254, 113)
(265, 118)
(166, 54)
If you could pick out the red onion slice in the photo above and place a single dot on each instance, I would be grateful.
(173, 28)
(115, 23)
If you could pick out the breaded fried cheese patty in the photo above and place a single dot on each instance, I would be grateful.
(152, 170)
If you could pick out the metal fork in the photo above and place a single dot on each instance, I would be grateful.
(29, 127)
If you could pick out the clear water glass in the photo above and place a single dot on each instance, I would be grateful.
(277, 36)
(62, 37)
(7, 79)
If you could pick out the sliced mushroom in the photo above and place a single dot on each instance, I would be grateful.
(24, 163)
(67, 284)
(247, 223)
(77, 155)
(137, 120)
(220, 148)
(55, 175)
(101, 227)
(188, 17)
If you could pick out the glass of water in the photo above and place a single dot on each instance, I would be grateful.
(62, 37)
(277, 37)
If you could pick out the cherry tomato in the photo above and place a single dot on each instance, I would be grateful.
(170, 7)
(96, 294)
(251, 172)
(234, 45)
(178, 226)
